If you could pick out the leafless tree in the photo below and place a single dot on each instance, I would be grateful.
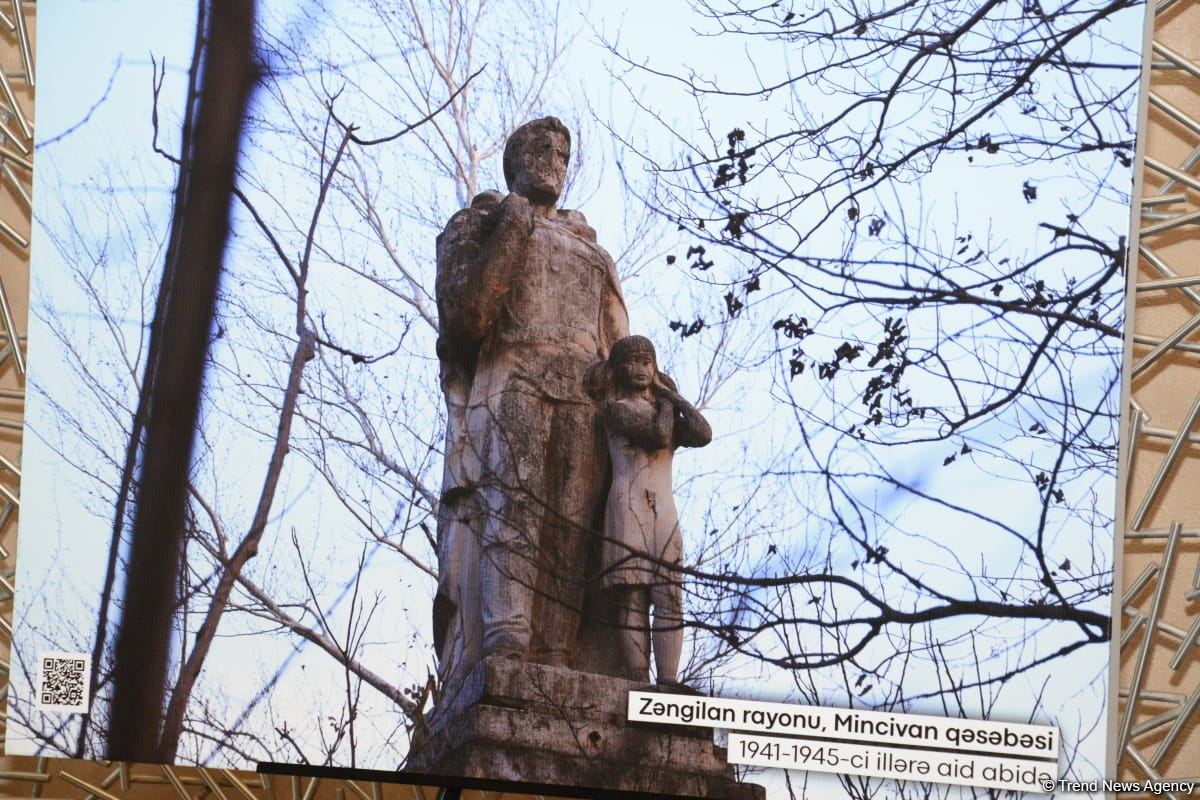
(924, 235)
(899, 345)
(288, 365)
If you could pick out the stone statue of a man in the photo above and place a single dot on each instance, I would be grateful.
(527, 301)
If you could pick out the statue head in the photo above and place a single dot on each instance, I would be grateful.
(535, 159)
(634, 362)
(631, 364)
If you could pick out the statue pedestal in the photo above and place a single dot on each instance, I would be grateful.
(533, 723)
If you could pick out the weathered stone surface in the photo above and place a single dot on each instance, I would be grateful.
(535, 609)
(527, 302)
(541, 724)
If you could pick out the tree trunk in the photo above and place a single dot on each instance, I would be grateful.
(144, 635)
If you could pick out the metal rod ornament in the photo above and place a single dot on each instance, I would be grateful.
(1139, 667)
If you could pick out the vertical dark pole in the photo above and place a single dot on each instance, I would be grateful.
(144, 635)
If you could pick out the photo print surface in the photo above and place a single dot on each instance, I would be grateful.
(764, 352)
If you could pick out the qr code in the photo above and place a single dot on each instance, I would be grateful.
(63, 682)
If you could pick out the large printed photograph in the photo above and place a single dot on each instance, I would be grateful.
(552, 351)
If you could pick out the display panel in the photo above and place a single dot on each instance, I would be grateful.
(833, 290)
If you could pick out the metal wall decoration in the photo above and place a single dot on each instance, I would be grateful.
(1159, 720)
(16, 176)
(1160, 676)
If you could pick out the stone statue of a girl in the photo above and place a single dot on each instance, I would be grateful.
(645, 420)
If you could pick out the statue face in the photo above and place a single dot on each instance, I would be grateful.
(637, 370)
(541, 167)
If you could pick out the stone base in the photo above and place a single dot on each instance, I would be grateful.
(534, 723)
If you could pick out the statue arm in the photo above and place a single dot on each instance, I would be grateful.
(614, 318)
(691, 429)
(649, 431)
(477, 254)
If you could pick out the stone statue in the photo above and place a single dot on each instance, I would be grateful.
(527, 302)
(645, 420)
(542, 611)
